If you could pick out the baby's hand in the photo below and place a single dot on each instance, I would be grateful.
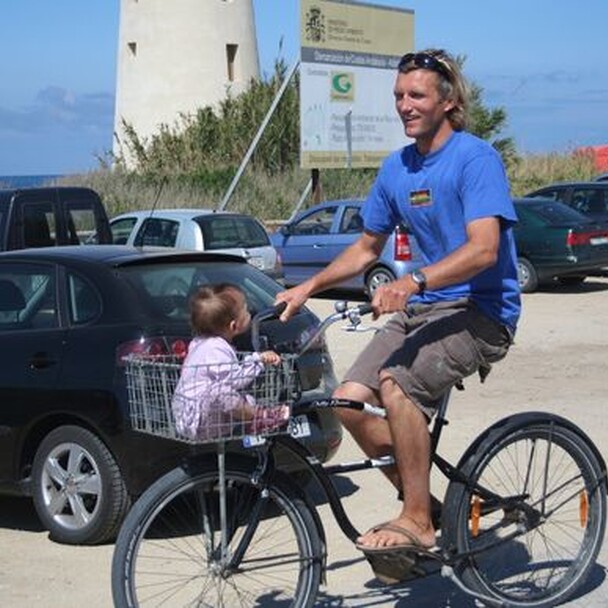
(269, 357)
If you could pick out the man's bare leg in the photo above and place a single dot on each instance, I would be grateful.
(411, 447)
(371, 433)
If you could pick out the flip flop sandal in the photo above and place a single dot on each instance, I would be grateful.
(391, 567)
(397, 563)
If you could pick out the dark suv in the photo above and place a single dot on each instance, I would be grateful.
(49, 216)
(68, 316)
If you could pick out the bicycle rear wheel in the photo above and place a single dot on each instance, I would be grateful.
(169, 551)
(538, 548)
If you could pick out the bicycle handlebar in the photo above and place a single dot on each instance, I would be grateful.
(342, 311)
(273, 312)
(353, 314)
(365, 309)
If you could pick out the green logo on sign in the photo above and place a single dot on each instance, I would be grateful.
(342, 86)
(342, 83)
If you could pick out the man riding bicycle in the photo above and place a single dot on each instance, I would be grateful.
(455, 315)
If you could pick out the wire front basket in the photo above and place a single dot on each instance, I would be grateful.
(209, 403)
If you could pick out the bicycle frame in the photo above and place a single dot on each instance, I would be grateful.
(513, 510)
(323, 473)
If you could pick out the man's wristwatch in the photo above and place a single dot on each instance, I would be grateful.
(420, 279)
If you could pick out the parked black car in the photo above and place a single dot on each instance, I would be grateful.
(556, 242)
(589, 198)
(68, 316)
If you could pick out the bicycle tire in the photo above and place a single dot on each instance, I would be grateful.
(548, 559)
(167, 550)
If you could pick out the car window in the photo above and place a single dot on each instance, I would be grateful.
(84, 304)
(318, 222)
(226, 232)
(164, 289)
(554, 195)
(28, 298)
(590, 200)
(121, 229)
(81, 219)
(157, 232)
(352, 222)
(556, 213)
(39, 228)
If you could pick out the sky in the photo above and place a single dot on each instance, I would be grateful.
(542, 60)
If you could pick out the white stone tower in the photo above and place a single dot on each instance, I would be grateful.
(175, 56)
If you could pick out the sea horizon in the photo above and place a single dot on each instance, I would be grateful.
(27, 181)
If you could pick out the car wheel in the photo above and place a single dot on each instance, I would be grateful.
(378, 276)
(78, 490)
(570, 281)
(526, 276)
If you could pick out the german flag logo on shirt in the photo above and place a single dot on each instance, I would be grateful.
(420, 198)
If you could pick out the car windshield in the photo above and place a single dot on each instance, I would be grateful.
(557, 214)
(164, 288)
(226, 232)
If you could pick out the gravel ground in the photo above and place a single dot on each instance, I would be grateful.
(559, 363)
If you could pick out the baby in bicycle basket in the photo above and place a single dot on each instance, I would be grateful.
(215, 396)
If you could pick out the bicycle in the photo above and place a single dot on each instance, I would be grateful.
(523, 521)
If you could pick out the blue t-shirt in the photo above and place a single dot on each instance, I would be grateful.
(437, 195)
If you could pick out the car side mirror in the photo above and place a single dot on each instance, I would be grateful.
(285, 229)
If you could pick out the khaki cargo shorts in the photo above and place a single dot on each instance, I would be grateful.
(430, 348)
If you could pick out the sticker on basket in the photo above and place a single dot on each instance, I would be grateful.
(299, 427)
(250, 441)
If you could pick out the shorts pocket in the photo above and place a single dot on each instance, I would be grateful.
(491, 339)
(453, 359)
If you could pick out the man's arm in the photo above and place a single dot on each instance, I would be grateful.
(351, 262)
(478, 253)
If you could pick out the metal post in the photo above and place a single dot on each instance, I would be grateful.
(317, 191)
(348, 120)
(302, 199)
(221, 462)
(256, 139)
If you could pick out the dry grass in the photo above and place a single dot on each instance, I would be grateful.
(533, 171)
(273, 197)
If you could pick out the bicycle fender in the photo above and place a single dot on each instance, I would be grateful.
(523, 419)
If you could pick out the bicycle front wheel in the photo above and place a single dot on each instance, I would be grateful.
(171, 551)
(534, 543)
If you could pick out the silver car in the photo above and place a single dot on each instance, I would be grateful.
(200, 230)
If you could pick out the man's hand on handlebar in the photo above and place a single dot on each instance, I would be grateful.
(295, 298)
(391, 297)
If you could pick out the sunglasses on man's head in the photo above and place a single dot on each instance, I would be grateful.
(425, 61)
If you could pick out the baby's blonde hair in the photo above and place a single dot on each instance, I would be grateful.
(214, 307)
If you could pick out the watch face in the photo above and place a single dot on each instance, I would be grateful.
(419, 278)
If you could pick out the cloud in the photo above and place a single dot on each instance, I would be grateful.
(57, 108)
